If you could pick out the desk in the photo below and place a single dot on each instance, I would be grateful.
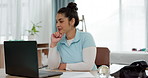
(113, 68)
(42, 47)
(3, 75)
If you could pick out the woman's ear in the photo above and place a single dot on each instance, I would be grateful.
(72, 22)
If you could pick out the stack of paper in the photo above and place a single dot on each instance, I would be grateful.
(76, 75)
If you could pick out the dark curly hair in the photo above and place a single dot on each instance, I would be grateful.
(71, 12)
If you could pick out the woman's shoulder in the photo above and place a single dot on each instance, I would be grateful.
(87, 39)
(84, 34)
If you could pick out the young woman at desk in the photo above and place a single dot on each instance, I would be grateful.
(71, 49)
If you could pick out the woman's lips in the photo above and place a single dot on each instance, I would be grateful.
(59, 30)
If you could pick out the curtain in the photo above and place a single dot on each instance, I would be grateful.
(57, 4)
(16, 17)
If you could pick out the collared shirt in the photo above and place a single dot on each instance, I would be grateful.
(73, 53)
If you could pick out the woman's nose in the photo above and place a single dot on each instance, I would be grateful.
(57, 24)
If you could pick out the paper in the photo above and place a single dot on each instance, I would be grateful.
(115, 67)
(76, 75)
(146, 71)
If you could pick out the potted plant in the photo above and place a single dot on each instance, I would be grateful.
(33, 31)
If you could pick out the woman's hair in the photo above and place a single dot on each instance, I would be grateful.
(71, 12)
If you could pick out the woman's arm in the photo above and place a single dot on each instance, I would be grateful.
(53, 58)
(89, 56)
(53, 55)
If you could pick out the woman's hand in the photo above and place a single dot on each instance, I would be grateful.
(55, 38)
(62, 66)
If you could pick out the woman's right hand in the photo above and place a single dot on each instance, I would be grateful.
(55, 38)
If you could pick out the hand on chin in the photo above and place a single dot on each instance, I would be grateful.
(61, 32)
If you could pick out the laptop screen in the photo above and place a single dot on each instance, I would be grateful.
(21, 58)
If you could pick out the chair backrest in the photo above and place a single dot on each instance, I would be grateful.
(103, 56)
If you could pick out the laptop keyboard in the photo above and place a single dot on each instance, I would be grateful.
(43, 73)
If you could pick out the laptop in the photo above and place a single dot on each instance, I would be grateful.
(21, 60)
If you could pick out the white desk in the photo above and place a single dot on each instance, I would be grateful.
(113, 68)
(89, 73)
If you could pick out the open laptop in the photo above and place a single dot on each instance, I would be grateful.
(21, 60)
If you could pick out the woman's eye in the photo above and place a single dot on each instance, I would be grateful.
(61, 21)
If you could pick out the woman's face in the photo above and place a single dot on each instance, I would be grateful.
(63, 24)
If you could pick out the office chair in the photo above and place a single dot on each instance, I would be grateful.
(102, 56)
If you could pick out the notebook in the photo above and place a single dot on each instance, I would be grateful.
(21, 60)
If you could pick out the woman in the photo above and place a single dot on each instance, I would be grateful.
(71, 49)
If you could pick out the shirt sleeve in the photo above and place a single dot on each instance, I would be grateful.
(53, 58)
(88, 41)
(89, 55)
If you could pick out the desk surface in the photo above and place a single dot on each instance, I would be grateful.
(113, 68)
(3, 75)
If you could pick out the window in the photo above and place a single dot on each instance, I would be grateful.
(116, 24)
(17, 17)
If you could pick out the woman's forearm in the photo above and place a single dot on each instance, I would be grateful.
(53, 58)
